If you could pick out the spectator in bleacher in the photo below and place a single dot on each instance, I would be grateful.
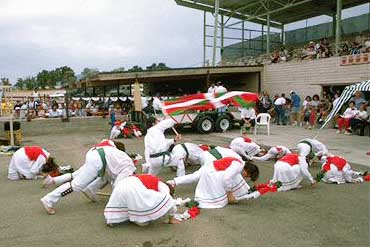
(275, 58)
(367, 45)
(355, 48)
(343, 120)
(311, 53)
(54, 112)
(344, 51)
(358, 99)
(212, 88)
(360, 118)
(280, 111)
(296, 108)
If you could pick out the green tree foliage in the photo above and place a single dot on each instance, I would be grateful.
(20, 84)
(159, 66)
(30, 82)
(119, 70)
(5, 81)
(88, 73)
(136, 68)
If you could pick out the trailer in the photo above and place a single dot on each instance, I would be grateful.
(209, 112)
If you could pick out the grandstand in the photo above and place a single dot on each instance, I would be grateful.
(248, 34)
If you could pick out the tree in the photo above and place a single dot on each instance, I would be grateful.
(136, 68)
(119, 70)
(88, 73)
(162, 66)
(5, 81)
(19, 84)
(44, 79)
(30, 82)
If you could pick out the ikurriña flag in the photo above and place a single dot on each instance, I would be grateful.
(208, 101)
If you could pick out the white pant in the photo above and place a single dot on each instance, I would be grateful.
(84, 178)
(157, 163)
(303, 149)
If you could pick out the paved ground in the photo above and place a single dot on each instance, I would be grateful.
(327, 215)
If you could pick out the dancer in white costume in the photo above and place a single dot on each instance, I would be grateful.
(185, 153)
(311, 148)
(140, 199)
(290, 171)
(220, 181)
(336, 170)
(116, 129)
(29, 163)
(273, 153)
(157, 146)
(105, 161)
(245, 147)
(217, 153)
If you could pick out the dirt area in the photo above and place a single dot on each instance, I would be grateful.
(328, 215)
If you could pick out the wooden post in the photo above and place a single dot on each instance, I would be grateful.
(137, 96)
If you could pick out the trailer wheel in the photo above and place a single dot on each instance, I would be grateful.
(223, 123)
(205, 125)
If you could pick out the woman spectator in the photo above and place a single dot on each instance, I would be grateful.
(314, 105)
(360, 118)
(343, 120)
(306, 110)
(265, 101)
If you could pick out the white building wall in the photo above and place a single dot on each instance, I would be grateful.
(307, 77)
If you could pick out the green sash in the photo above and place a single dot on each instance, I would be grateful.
(215, 153)
(101, 153)
(187, 152)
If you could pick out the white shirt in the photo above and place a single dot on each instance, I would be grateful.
(350, 113)
(280, 101)
(211, 89)
(248, 113)
(155, 140)
(221, 89)
(157, 105)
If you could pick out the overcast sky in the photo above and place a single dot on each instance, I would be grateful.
(103, 34)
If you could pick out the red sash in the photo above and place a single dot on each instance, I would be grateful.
(204, 147)
(339, 162)
(291, 159)
(105, 143)
(34, 152)
(149, 181)
(224, 163)
(247, 139)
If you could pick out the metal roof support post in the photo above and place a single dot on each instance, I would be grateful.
(243, 52)
(268, 35)
(282, 35)
(222, 34)
(204, 37)
(217, 5)
(262, 43)
(338, 26)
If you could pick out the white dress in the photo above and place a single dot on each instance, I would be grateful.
(222, 152)
(316, 147)
(337, 170)
(132, 201)
(213, 185)
(290, 171)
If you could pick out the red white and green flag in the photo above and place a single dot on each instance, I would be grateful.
(208, 101)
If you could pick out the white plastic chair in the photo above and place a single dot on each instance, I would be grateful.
(262, 119)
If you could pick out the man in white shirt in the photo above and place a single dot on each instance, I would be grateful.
(212, 88)
(280, 110)
(249, 117)
(157, 105)
(220, 88)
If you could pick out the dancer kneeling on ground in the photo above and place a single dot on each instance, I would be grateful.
(140, 199)
(311, 148)
(30, 162)
(290, 171)
(220, 181)
(185, 153)
(158, 148)
(106, 161)
(217, 153)
(245, 147)
(335, 169)
(274, 153)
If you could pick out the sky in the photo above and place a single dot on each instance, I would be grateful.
(103, 34)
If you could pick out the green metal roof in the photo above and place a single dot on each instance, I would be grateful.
(281, 11)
